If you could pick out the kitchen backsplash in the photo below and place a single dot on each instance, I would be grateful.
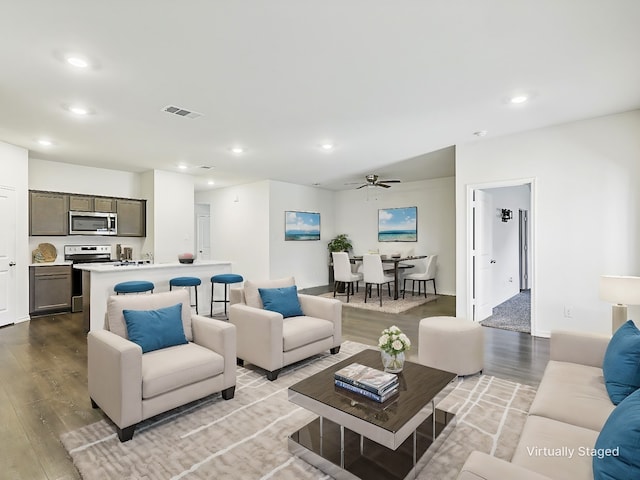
(60, 242)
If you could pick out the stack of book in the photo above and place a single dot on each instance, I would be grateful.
(367, 381)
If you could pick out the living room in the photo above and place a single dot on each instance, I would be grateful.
(575, 141)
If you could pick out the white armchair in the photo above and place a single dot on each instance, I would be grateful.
(270, 341)
(130, 386)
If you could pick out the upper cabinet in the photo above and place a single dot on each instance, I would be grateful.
(48, 213)
(132, 216)
(78, 203)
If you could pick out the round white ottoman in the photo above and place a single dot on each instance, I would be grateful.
(452, 344)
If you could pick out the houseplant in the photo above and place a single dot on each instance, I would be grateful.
(340, 243)
(393, 343)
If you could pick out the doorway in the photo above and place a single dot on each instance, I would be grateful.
(7, 256)
(203, 231)
(500, 252)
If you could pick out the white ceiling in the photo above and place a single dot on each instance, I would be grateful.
(386, 82)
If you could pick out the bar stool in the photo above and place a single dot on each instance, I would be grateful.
(225, 279)
(133, 286)
(186, 282)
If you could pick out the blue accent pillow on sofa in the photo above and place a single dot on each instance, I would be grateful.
(282, 300)
(621, 364)
(155, 329)
(617, 449)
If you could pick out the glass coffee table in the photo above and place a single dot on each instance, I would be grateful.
(355, 437)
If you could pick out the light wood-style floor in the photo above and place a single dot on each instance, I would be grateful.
(43, 389)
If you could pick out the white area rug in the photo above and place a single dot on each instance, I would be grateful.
(246, 438)
(389, 305)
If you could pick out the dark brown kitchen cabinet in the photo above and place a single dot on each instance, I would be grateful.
(132, 218)
(48, 213)
(80, 204)
(49, 289)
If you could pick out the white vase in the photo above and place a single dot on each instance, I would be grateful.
(392, 363)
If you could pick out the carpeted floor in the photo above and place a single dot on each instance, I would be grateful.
(245, 438)
(389, 305)
(514, 314)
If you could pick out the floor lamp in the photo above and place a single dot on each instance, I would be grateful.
(621, 291)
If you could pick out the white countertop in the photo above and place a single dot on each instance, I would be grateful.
(112, 268)
(51, 264)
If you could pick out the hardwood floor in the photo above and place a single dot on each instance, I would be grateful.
(43, 378)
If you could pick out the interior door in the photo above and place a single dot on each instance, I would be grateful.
(7, 256)
(482, 242)
(204, 237)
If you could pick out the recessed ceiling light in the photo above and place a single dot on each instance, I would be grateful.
(77, 62)
(519, 99)
(182, 166)
(78, 110)
(45, 143)
(327, 147)
(211, 182)
(237, 150)
(480, 133)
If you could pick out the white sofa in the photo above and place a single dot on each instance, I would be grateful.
(130, 386)
(565, 418)
(270, 341)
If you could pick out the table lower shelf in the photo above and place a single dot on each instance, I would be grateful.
(364, 458)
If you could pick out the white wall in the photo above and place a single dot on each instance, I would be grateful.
(506, 240)
(586, 212)
(306, 260)
(14, 175)
(173, 215)
(69, 178)
(435, 199)
(240, 227)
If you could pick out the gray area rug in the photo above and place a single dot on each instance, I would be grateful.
(246, 438)
(514, 314)
(389, 305)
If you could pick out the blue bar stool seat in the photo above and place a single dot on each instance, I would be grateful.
(186, 282)
(225, 279)
(134, 286)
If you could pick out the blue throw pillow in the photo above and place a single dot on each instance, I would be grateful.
(155, 329)
(621, 365)
(282, 300)
(617, 451)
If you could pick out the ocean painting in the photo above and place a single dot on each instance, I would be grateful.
(398, 224)
(301, 226)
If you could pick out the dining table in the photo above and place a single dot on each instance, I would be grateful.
(397, 266)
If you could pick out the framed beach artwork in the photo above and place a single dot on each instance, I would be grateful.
(398, 224)
(301, 226)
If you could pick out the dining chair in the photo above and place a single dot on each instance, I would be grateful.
(374, 275)
(342, 273)
(429, 274)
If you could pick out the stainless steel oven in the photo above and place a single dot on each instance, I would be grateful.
(93, 223)
(83, 254)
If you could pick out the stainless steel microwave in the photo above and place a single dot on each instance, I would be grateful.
(93, 223)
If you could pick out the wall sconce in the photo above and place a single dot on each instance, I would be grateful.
(506, 215)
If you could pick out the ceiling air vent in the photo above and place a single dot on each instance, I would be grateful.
(181, 112)
(206, 167)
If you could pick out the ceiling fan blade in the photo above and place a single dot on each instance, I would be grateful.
(383, 185)
(361, 186)
(389, 181)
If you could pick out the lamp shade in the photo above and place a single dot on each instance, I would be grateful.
(621, 290)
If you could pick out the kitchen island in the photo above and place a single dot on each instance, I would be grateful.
(98, 280)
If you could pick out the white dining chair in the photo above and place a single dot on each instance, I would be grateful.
(374, 275)
(342, 273)
(429, 274)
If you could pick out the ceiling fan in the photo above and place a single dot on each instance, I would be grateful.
(373, 181)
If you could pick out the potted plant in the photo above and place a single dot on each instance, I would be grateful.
(340, 243)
